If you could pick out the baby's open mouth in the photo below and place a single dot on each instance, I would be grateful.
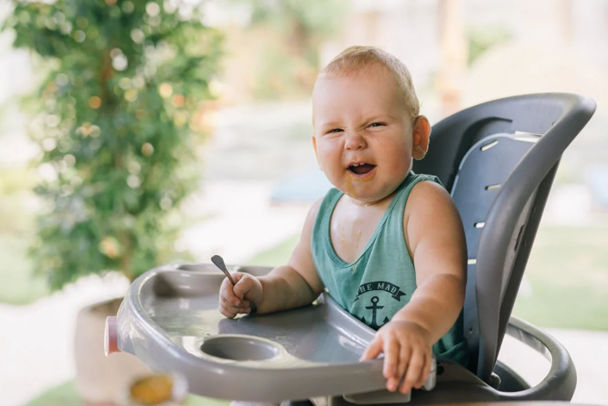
(361, 169)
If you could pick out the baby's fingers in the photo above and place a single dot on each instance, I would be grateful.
(373, 350)
(391, 363)
(227, 293)
(414, 370)
(230, 310)
(428, 363)
(244, 284)
(405, 353)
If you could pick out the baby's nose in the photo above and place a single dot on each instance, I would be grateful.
(354, 140)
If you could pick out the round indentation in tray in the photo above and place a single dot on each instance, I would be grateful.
(206, 268)
(240, 348)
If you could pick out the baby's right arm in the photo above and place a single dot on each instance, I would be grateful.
(286, 287)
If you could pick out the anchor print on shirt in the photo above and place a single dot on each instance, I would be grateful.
(374, 306)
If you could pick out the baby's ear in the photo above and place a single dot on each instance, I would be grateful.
(420, 139)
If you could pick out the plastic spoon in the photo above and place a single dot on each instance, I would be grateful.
(219, 262)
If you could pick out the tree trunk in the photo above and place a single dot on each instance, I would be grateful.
(454, 51)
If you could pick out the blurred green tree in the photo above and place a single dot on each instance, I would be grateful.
(482, 39)
(115, 117)
(297, 29)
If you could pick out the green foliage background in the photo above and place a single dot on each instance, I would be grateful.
(293, 31)
(116, 116)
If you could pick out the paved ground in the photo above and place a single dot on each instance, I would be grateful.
(36, 341)
(240, 221)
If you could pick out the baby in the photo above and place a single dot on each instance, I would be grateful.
(387, 244)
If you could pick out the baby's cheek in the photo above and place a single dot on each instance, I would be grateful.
(398, 169)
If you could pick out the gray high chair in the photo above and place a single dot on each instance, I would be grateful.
(498, 160)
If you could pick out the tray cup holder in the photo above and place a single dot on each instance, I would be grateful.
(239, 348)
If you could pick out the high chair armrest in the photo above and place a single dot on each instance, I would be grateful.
(457, 385)
(560, 381)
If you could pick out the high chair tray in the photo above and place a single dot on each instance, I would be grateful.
(170, 320)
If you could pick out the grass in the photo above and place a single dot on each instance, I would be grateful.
(66, 394)
(277, 255)
(19, 284)
(568, 271)
(61, 395)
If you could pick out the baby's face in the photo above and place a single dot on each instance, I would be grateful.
(363, 133)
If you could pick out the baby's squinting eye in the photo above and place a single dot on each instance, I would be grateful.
(335, 130)
(377, 124)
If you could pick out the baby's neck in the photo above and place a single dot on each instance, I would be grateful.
(378, 203)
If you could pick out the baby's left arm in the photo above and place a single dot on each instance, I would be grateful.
(436, 242)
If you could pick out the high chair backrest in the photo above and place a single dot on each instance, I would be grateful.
(498, 160)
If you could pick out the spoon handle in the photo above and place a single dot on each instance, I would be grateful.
(219, 262)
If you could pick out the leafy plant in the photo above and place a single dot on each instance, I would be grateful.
(483, 39)
(115, 117)
(293, 31)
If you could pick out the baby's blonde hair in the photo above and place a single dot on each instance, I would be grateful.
(356, 58)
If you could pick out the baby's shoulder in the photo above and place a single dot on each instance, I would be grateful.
(427, 186)
(427, 197)
(313, 212)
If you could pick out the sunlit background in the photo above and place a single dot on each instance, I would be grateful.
(208, 152)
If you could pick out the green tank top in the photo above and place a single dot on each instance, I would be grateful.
(382, 280)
